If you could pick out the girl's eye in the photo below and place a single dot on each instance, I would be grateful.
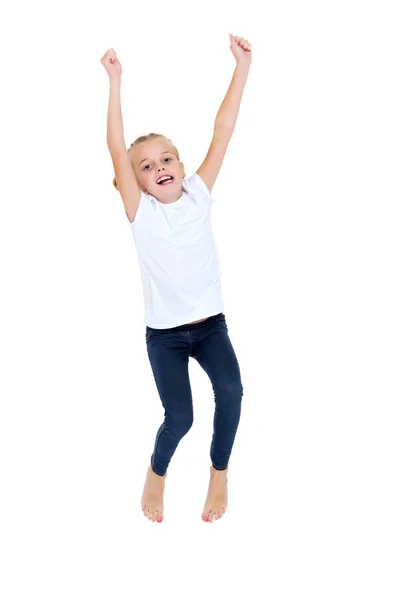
(145, 167)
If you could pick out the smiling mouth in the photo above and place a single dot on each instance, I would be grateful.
(166, 181)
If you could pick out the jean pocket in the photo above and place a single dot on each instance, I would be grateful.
(149, 333)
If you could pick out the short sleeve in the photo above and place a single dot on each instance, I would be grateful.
(198, 185)
(141, 211)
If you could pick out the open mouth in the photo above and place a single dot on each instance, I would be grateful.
(165, 180)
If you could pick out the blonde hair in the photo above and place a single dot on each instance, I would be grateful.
(147, 138)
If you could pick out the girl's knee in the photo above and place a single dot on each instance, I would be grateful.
(234, 388)
(180, 423)
(229, 394)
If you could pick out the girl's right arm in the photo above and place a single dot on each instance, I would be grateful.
(124, 174)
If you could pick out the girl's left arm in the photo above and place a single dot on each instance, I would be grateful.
(225, 120)
(228, 112)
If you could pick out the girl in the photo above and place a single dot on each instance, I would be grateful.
(169, 215)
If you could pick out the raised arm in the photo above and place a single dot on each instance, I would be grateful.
(225, 120)
(124, 174)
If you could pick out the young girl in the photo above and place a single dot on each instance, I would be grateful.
(169, 215)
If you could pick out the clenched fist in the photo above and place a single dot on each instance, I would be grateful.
(111, 63)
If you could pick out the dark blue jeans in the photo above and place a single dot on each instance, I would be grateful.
(169, 351)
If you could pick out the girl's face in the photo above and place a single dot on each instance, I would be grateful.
(153, 160)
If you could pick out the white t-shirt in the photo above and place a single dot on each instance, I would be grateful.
(178, 258)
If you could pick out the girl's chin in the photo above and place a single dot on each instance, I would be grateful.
(166, 185)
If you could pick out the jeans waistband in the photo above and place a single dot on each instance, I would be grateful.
(187, 326)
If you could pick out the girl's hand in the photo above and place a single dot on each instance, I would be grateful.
(241, 50)
(111, 63)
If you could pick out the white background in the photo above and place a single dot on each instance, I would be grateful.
(306, 222)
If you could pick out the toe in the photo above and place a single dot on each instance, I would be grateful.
(160, 516)
(206, 513)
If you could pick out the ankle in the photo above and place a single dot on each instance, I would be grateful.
(156, 474)
(218, 472)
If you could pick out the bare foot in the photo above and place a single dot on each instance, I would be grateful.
(217, 497)
(153, 494)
